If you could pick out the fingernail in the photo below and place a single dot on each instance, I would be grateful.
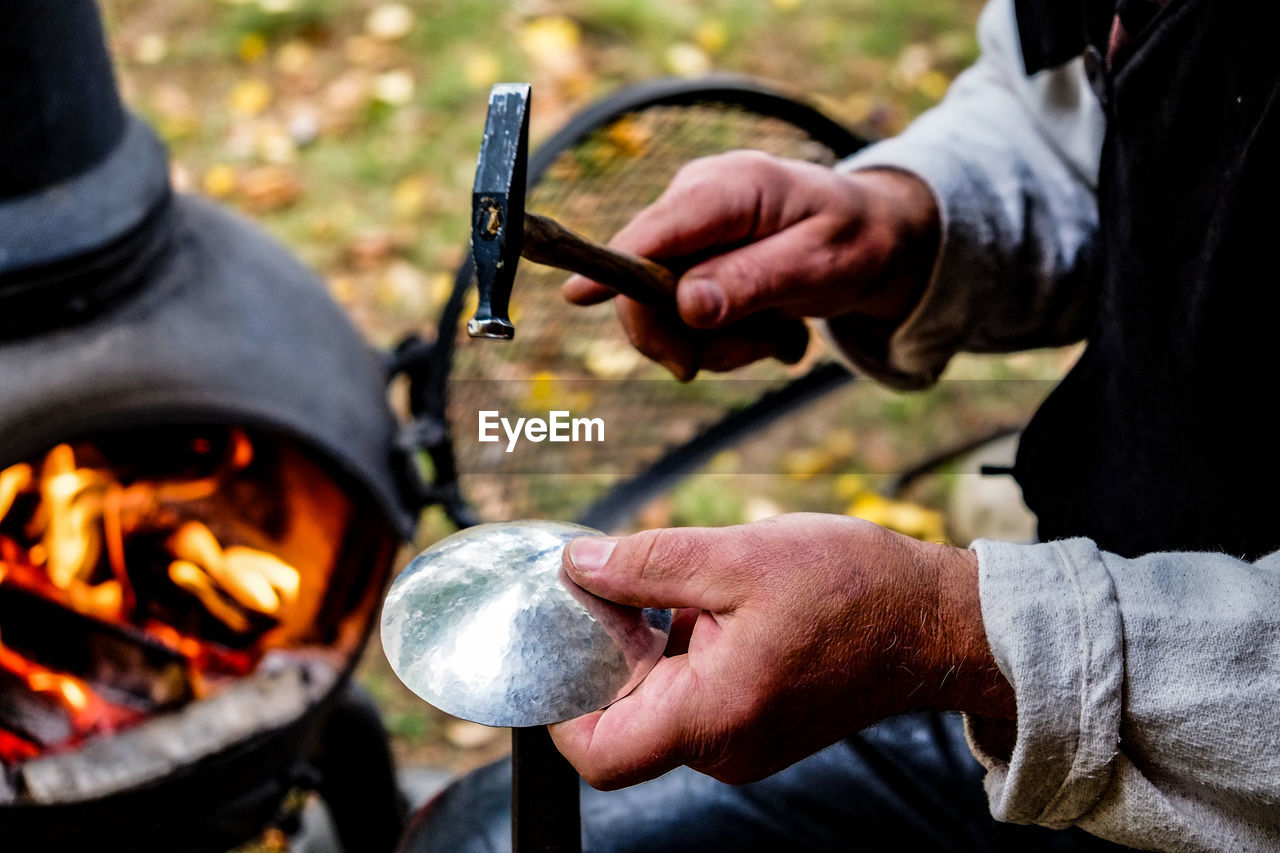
(708, 298)
(590, 555)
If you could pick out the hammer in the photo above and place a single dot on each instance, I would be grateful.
(502, 230)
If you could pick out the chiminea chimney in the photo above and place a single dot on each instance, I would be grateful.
(83, 185)
(124, 304)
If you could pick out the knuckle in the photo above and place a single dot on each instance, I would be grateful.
(666, 555)
(698, 169)
(741, 282)
(715, 169)
(746, 158)
(661, 551)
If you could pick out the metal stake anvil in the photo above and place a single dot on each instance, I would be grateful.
(502, 231)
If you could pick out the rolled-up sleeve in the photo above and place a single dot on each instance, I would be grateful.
(1148, 694)
(1012, 163)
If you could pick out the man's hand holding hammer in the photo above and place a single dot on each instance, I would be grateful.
(786, 235)
(802, 629)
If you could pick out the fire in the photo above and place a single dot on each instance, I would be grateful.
(136, 560)
(86, 710)
(255, 579)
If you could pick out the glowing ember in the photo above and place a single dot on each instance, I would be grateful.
(87, 712)
(136, 560)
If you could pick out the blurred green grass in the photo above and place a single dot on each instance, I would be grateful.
(355, 144)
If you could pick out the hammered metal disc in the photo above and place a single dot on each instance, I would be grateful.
(486, 626)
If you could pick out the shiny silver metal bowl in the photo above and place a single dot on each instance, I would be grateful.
(486, 626)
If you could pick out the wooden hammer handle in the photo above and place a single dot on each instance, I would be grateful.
(548, 242)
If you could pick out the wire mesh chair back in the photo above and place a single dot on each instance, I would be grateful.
(606, 165)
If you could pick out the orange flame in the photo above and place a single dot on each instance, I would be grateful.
(254, 579)
(65, 534)
(86, 709)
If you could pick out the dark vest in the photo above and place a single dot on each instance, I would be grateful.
(1164, 436)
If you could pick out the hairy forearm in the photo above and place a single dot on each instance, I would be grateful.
(939, 649)
(970, 680)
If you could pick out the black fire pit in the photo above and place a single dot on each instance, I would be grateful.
(134, 321)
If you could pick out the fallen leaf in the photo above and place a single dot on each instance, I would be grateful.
(249, 97)
(441, 289)
(858, 108)
(630, 137)
(151, 49)
(347, 94)
(252, 47)
(913, 63)
(269, 188)
(849, 486)
(394, 87)
(409, 197)
(711, 36)
(803, 463)
(177, 113)
(304, 127)
(274, 144)
(551, 42)
(656, 513)
(294, 57)
(841, 443)
(366, 52)
(725, 462)
(370, 248)
(481, 70)
(343, 289)
(548, 393)
(906, 518)
(389, 21)
(687, 60)
(219, 181)
(606, 359)
(933, 84)
(402, 288)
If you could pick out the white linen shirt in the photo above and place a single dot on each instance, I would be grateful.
(1148, 689)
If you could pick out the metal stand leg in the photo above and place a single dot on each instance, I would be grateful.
(544, 796)
(357, 776)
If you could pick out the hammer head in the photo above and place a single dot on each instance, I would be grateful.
(497, 208)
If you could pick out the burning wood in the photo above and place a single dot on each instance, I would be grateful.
(124, 664)
(123, 593)
(33, 721)
(153, 749)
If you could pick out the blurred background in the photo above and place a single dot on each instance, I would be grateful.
(349, 130)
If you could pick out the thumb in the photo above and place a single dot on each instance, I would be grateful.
(771, 273)
(655, 568)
